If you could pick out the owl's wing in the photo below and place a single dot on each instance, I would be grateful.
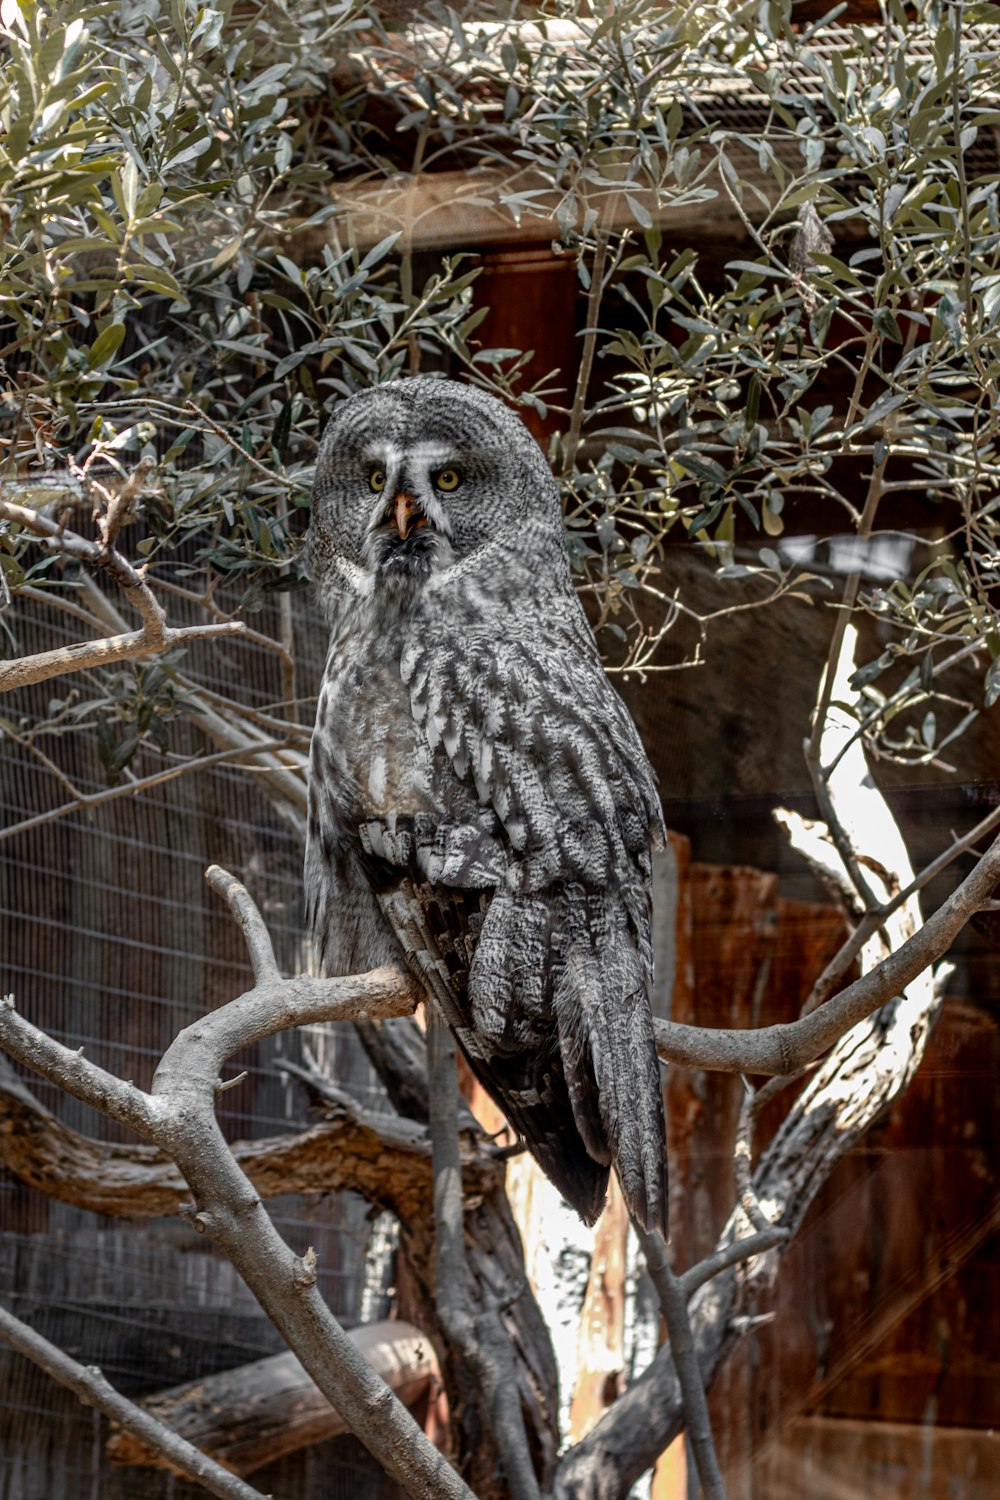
(537, 727)
(450, 937)
(555, 1018)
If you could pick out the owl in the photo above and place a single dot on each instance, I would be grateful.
(480, 806)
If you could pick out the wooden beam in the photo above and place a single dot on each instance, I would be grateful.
(881, 1460)
(458, 209)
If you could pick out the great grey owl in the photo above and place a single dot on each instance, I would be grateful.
(480, 804)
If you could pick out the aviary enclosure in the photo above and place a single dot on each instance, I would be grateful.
(736, 266)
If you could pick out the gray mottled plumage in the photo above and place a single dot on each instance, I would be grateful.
(480, 803)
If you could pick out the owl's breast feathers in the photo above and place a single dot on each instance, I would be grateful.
(486, 792)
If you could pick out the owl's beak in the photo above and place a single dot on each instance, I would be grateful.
(408, 515)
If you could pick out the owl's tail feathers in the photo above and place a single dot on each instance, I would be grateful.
(609, 1056)
(530, 1087)
(581, 1180)
(581, 1086)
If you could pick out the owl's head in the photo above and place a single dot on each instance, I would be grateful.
(423, 478)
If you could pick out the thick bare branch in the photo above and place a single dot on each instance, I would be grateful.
(383, 1157)
(94, 1389)
(257, 1412)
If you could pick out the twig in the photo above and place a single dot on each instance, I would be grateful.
(673, 1304)
(154, 637)
(93, 1389)
(283, 784)
(731, 1255)
(587, 354)
(871, 921)
(129, 788)
(743, 1160)
(220, 432)
(207, 603)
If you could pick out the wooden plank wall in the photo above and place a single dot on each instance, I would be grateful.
(879, 1375)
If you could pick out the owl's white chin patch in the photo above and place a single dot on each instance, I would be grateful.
(404, 563)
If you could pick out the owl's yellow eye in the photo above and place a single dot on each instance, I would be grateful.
(377, 480)
(448, 479)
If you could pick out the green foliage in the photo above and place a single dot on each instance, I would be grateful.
(177, 281)
(148, 173)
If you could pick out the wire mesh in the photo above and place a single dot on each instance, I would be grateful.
(112, 941)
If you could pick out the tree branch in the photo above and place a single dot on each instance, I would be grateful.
(733, 1254)
(94, 1389)
(673, 1305)
(179, 1116)
(383, 1157)
(151, 640)
(154, 637)
(251, 1415)
(871, 921)
(131, 788)
(791, 1046)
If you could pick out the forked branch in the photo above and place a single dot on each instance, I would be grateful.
(178, 1115)
(155, 636)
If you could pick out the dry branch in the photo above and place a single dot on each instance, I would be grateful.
(254, 1414)
(129, 788)
(684, 1355)
(155, 636)
(383, 1157)
(788, 1048)
(94, 1390)
(151, 640)
(179, 1116)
